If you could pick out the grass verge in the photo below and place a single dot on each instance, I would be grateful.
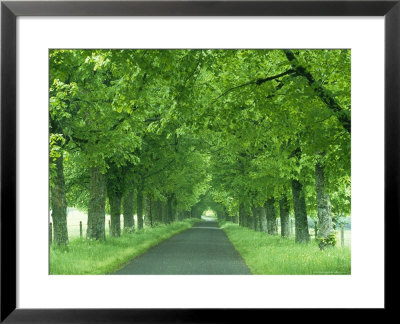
(274, 255)
(85, 257)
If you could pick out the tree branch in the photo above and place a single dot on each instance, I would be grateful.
(320, 91)
(255, 82)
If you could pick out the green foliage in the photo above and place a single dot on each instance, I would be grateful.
(56, 142)
(211, 127)
(327, 242)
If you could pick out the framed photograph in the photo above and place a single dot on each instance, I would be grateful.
(185, 145)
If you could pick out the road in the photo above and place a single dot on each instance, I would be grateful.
(202, 249)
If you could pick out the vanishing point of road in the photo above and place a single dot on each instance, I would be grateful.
(202, 249)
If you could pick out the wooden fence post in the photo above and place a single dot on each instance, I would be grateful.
(51, 232)
(80, 229)
(342, 234)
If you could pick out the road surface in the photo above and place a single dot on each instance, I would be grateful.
(202, 249)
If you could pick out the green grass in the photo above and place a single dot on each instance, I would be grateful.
(274, 255)
(93, 257)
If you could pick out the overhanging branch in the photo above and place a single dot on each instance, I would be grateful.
(255, 82)
(320, 91)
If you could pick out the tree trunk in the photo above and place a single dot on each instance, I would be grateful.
(181, 215)
(148, 217)
(284, 214)
(324, 208)
(139, 205)
(115, 191)
(250, 220)
(262, 220)
(169, 209)
(59, 205)
(242, 215)
(224, 215)
(129, 222)
(174, 208)
(97, 202)
(115, 211)
(255, 218)
(192, 212)
(300, 212)
(164, 212)
(247, 218)
(271, 216)
(156, 211)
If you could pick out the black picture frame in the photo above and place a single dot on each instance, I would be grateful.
(10, 10)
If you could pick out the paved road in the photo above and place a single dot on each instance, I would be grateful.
(203, 249)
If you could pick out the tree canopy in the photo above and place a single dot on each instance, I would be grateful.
(224, 129)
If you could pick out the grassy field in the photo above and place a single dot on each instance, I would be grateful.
(92, 257)
(268, 254)
(75, 216)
